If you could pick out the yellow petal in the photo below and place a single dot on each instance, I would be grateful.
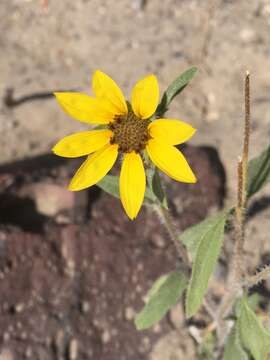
(94, 168)
(144, 97)
(132, 184)
(82, 143)
(85, 108)
(105, 88)
(170, 160)
(171, 131)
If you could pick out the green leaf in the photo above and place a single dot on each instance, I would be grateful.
(110, 184)
(206, 349)
(192, 236)
(254, 300)
(156, 286)
(258, 172)
(155, 187)
(209, 242)
(174, 89)
(255, 338)
(233, 347)
(164, 294)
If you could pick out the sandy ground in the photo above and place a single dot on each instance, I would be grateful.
(58, 46)
(50, 45)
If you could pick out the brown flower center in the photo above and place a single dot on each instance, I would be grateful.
(129, 132)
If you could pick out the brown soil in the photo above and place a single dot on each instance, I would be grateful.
(73, 268)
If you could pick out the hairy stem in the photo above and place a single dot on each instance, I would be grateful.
(235, 284)
(246, 130)
(238, 259)
(257, 278)
(166, 219)
(237, 263)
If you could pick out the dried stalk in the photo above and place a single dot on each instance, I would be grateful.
(235, 284)
(238, 258)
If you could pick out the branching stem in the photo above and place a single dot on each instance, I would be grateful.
(257, 278)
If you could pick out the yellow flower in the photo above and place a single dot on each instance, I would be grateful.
(128, 131)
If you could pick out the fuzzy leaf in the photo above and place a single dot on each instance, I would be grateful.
(233, 348)
(164, 294)
(255, 338)
(258, 172)
(174, 89)
(206, 255)
(110, 184)
(191, 236)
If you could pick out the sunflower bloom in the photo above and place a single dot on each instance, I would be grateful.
(129, 132)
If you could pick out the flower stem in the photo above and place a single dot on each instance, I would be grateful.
(166, 219)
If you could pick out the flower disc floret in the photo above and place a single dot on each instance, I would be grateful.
(129, 132)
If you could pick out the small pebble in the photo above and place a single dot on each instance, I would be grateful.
(129, 313)
(85, 307)
(73, 349)
(105, 337)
